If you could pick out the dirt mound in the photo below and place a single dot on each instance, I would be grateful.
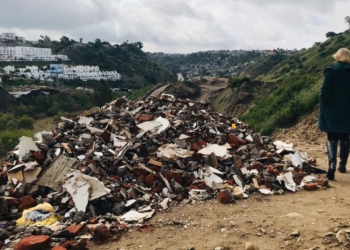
(6, 100)
(184, 90)
(305, 130)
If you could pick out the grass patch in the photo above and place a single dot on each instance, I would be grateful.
(283, 107)
(139, 93)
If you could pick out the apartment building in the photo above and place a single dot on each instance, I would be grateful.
(81, 72)
(8, 36)
(21, 53)
(85, 73)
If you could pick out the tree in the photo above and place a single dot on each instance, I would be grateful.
(98, 43)
(64, 41)
(81, 40)
(347, 20)
(330, 34)
(102, 93)
(5, 78)
(45, 39)
(139, 45)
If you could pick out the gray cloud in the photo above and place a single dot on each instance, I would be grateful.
(181, 25)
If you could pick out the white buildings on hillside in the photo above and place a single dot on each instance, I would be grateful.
(8, 36)
(88, 73)
(69, 73)
(180, 78)
(20, 53)
(11, 37)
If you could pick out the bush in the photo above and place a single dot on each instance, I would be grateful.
(10, 121)
(237, 81)
(9, 139)
(25, 122)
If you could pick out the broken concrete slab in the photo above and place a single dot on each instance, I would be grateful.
(54, 175)
(84, 188)
(219, 151)
(26, 145)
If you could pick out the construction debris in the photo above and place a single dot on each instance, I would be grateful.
(96, 175)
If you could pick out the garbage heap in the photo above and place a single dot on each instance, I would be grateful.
(112, 168)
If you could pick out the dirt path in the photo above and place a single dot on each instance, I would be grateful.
(261, 220)
(159, 90)
(208, 91)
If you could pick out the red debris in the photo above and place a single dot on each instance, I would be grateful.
(310, 186)
(145, 118)
(59, 248)
(26, 202)
(75, 229)
(33, 243)
(149, 180)
(101, 234)
(225, 197)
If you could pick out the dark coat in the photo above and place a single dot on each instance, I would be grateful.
(335, 99)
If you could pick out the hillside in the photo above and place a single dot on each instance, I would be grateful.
(222, 63)
(262, 65)
(135, 66)
(131, 62)
(311, 61)
(299, 81)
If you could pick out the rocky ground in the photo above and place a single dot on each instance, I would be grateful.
(267, 222)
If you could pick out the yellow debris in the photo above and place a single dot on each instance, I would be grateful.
(45, 222)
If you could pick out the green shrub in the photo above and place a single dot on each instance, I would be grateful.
(235, 82)
(9, 139)
(139, 93)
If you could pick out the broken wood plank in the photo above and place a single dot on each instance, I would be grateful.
(66, 147)
(255, 181)
(154, 162)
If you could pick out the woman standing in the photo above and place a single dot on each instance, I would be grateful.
(334, 117)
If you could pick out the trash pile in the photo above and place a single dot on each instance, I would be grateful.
(112, 168)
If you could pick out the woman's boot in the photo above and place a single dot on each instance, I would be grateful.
(332, 158)
(344, 154)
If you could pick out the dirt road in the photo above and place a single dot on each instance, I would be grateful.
(209, 91)
(265, 221)
(159, 90)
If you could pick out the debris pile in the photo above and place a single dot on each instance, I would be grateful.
(95, 176)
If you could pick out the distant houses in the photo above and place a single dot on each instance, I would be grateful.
(216, 63)
(11, 37)
(81, 72)
(21, 53)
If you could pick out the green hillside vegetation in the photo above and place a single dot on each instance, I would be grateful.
(262, 65)
(142, 91)
(300, 79)
(310, 61)
(136, 68)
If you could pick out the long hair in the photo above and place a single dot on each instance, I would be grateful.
(342, 55)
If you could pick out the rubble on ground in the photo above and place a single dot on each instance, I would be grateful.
(96, 176)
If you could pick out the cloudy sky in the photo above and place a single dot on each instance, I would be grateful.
(179, 26)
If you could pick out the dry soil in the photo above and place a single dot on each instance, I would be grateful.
(265, 221)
